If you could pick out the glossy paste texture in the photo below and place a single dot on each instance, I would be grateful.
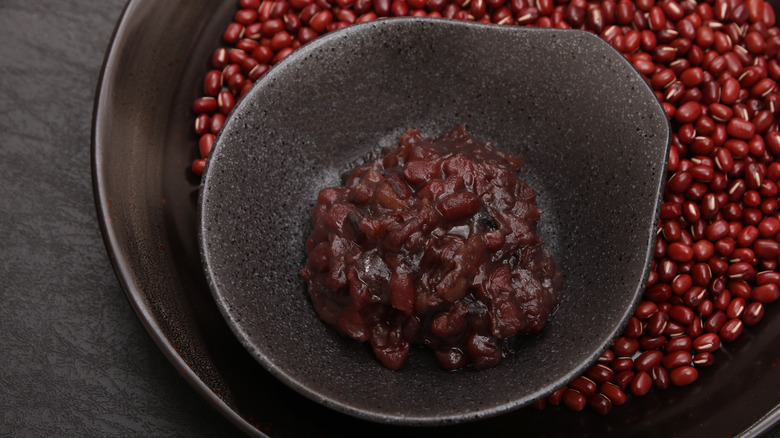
(434, 243)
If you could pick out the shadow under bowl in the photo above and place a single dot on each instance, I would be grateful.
(594, 141)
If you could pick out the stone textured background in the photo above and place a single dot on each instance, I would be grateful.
(74, 359)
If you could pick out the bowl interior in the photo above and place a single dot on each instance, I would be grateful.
(594, 140)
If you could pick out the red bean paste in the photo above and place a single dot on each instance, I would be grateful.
(434, 244)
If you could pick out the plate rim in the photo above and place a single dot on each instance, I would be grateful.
(113, 248)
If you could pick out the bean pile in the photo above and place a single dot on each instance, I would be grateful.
(714, 66)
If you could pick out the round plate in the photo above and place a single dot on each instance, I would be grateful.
(143, 145)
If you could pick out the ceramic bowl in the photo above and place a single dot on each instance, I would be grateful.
(594, 140)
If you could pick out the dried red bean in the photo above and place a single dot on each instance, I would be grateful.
(282, 54)
(271, 27)
(653, 342)
(583, 385)
(645, 309)
(634, 328)
(198, 166)
(202, 123)
(731, 330)
(730, 91)
(624, 346)
(680, 252)
(679, 343)
(652, 278)
(226, 102)
(607, 357)
(677, 359)
(725, 247)
(574, 400)
(253, 32)
(204, 105)
(681, 314)
(682, 284)
(701, 275)
(641, 383)
(247, 45)
(747, 236)
(718, 229)
(621, 364)
(647, 360)
(556, 397)
(700, 172)
(613, 393)
(249, 4)
(666, 270)
(205, 144)
(660, 377)
(687, 112)
(398, 8)
(767, 293)
(658, 293)
(230, 70)
(253, 75)
(624, 12)
(694, 296)
(670, 210)
(600, 404)
(766, 277)
(695, 328)
(740, 128)
(706, 343)
(656, 324)
(683, 376)
(718, 265)
(307, 34)
(769, 227)
(233, 33)
(721, 302)
(702, 360)
(212, 83)
(739, 289)
(217, 121)
(623, 379)
(715, 322)
(673, 329)
(279, 9)
(754, 312)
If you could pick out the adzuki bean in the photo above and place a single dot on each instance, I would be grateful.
(684, 375)
(660, 377)
(574, 400)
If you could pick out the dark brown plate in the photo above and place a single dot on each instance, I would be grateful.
(146, 198)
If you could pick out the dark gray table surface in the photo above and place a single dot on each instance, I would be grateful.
(74, 359)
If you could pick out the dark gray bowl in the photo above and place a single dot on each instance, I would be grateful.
(594, 140)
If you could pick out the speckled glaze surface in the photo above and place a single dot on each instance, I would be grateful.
(594, 142)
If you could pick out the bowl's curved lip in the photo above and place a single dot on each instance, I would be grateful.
(479, 413)
(100, 115)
